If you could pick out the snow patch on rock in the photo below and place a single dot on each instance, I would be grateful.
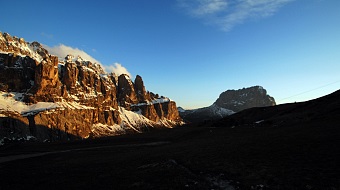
(11, 102)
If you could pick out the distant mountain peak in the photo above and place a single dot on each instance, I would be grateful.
(229, 102)
(237, 100)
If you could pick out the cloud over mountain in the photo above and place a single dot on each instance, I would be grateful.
(62, 51)
(226, 14)
(118, 69)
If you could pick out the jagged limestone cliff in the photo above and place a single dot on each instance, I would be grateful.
(71, 98)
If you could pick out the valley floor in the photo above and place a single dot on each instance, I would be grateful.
(200, 157)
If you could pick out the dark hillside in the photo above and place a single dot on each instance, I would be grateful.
(291, 146)
(321, 111)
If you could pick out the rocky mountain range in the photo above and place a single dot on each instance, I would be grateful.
(229, 102)
(57, 99)
(288, 146)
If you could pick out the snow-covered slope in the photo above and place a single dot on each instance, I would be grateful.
(11, 102)
(131, 122)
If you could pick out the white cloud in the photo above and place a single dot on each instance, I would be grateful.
(118, 69)
(62, 51)
(226, 14)
(205, 7)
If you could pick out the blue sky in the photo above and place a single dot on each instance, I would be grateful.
(192, 50)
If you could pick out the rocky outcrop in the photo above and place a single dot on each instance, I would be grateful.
(126, 91)
(46, 82)
(170, 111)
(238, 100)
(17, 72)
(73, 98)
(142, 94)
(229, 102)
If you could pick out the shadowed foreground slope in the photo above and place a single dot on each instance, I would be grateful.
(292, 146)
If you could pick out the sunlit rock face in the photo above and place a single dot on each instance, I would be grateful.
(58, 99)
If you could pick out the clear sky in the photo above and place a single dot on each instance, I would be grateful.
(192, 50)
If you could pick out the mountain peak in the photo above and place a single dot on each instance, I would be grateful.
(18, 46)
(229, 102)
(237, 100)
